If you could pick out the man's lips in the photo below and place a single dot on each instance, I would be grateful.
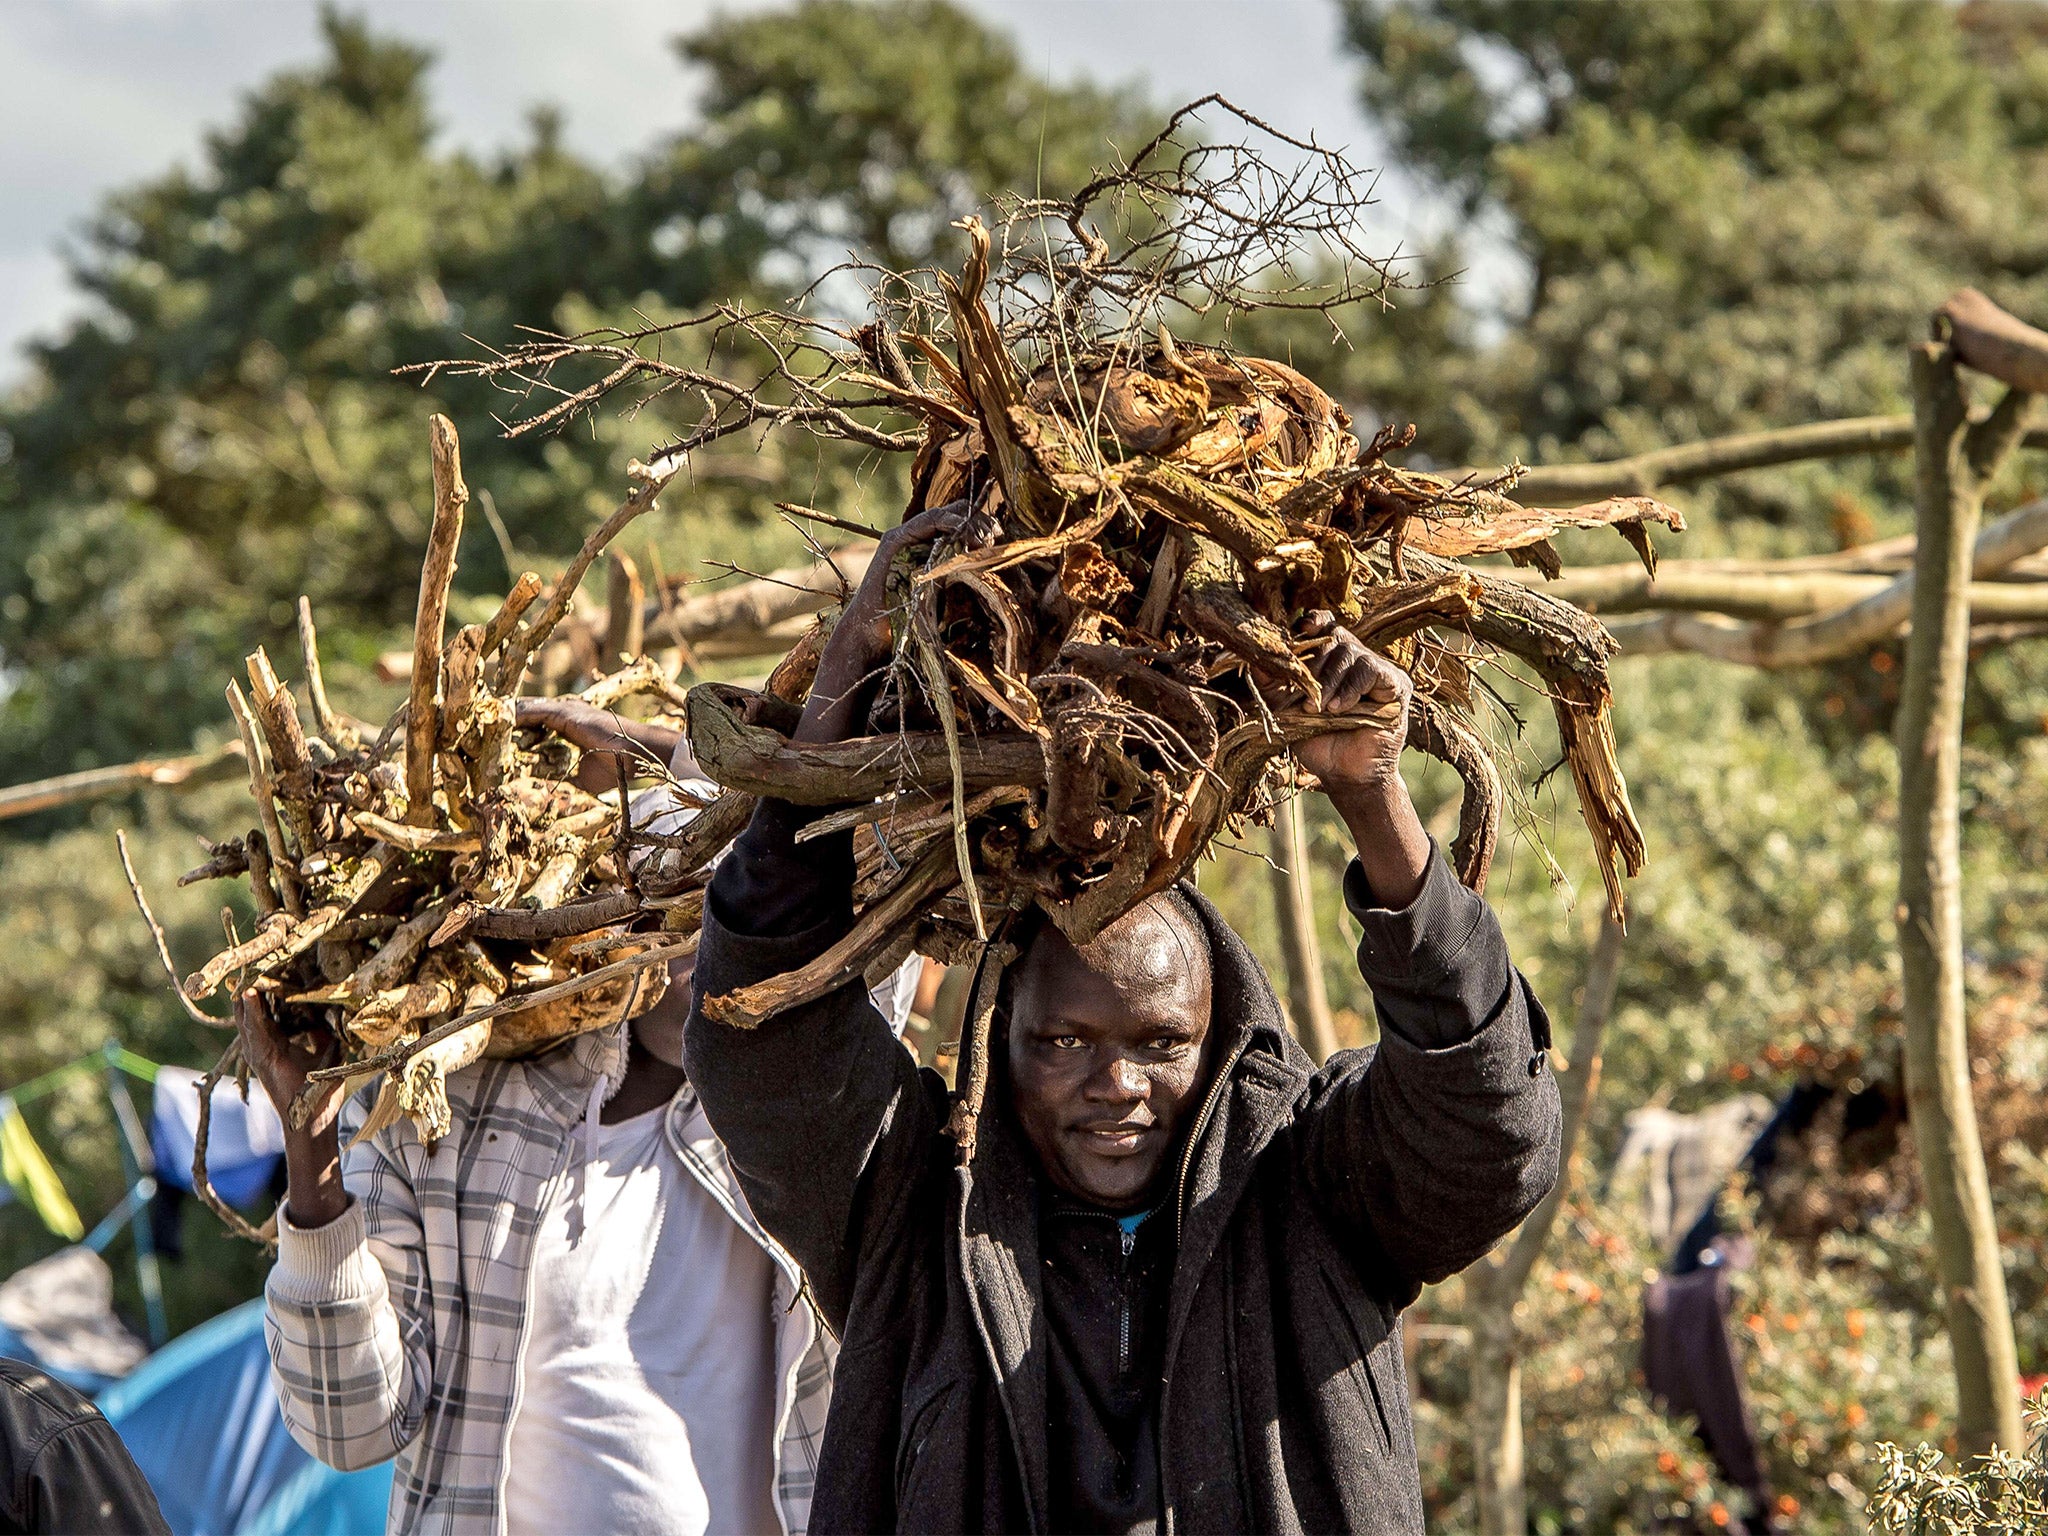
(1119, 1138)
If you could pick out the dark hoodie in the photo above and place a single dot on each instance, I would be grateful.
(1309, 1208)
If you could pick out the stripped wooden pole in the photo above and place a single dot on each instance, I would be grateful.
(1308, 1001)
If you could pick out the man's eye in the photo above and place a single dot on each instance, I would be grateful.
(1066, 1042)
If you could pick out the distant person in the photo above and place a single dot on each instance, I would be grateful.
(1166, 1292)
(62, 1467)
(563, 1317)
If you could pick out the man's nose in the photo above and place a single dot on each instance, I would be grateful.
(1118, 1081)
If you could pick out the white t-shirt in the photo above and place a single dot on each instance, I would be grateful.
(648, 1406)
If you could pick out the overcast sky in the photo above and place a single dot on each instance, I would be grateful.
(97, 94)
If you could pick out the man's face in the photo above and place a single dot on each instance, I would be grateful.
(1106, 1053)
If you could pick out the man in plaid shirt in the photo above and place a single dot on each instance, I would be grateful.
(560, 1317)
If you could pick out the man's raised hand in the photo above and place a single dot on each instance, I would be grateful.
(1360, 770)
(312, 1153)
(861, 640)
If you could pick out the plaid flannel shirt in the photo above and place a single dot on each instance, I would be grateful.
(399, 1328)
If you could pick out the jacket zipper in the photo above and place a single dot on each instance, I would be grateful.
(1187, 1156)
(1123, 1331)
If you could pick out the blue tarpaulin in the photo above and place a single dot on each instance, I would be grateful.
(200, 1417)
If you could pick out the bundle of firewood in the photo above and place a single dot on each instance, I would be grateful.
(1104, 671)
(442, 890)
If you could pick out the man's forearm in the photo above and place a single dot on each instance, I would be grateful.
(314, 1195)
(1393, 849)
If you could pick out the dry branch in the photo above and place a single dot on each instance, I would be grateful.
(1100, 673)
(1986, 338)
(1761, 594)
(188, 772)
(1844, 631)
(1640, 474)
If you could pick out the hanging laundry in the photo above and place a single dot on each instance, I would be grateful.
(244, 1141)
(30, 1176)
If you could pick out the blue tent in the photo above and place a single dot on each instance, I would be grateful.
(201, 1419)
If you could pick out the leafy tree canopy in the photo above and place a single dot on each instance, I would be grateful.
(222, 433)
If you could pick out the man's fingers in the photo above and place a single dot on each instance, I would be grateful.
(1351, 672)
(1360, 680)
(1388, 682)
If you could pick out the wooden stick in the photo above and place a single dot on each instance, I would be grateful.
(261, 791)
(423, 719)
(163, 949)
(1761, 594)
(964, 1124)
(763, 761)
(337, 733)
(277, 716)
(1953, 471)
(202, 1182)
(506, 619)
(749, 1007)
(1993, 342)
(524, 642)
(624, 619)
(925, 632)
(1496, 1284)
(1308, 1002)
(812, 514)
(187, 772)
(545, 926)
(1857, 627)
(415, 839)
(1641, 473)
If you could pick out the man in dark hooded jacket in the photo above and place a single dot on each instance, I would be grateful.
(1165, 1293)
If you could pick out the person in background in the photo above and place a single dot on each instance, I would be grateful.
(62, 1467)
(563, 1316)
(1165, 1293)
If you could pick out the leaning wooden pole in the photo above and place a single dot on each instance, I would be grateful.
(1308, 1001)
(1494, 1286)
(1954, 461)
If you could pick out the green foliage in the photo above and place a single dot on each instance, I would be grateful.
(221, 433)
(1733, 214)
(849, 129)
(2006, 1495)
